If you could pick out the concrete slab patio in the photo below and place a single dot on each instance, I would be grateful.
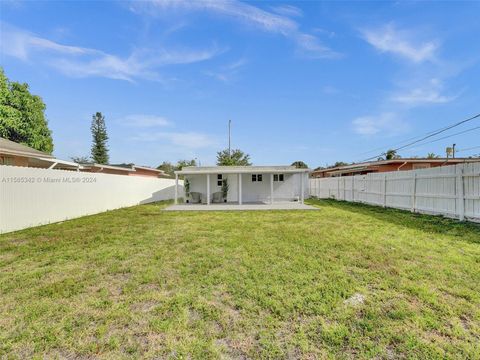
(237, 207)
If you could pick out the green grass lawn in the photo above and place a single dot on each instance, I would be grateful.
(140, 282)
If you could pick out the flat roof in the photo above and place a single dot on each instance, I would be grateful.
(192, 170)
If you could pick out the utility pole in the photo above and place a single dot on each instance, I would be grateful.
(229, 138)
(453, 150)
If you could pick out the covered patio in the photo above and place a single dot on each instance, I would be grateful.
(242, 185)
(242, 207)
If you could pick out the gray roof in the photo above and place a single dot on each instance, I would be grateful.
(13, 148)
(191, 170)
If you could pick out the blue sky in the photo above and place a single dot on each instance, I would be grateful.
(313, 81)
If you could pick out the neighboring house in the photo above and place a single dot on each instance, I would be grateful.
(123, 169)
(106, 169)
(246, 184)
(15, 154)
(142, 170)
(388, 165)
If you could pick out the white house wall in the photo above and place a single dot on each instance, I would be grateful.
(288, 189)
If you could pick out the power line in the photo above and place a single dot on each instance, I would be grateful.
(451, 135)
(434, 133)
(471, 148)
(403, 141)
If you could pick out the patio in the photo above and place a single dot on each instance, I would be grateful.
(239, 207)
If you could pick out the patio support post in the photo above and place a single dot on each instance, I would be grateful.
(302, 195)
(240, 189)
(208, 189)
(176, 189)
(271, 188)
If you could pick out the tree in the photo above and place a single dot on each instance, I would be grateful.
(22, 116)
(391, 154)
(340, 163)
(99, 139)
(300, 165)
(80, 159)
(167, 167)
(184, 163)
(432, 156)
(234, 158)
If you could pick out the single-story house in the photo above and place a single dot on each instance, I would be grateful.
(401, 164)
(106, 169)
(123, 169)
(16, 154)
(245, 184)
(142, 170)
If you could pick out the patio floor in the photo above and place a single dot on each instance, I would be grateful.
(237, 207)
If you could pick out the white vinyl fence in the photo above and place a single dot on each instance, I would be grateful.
(31, 197)
(452, 191)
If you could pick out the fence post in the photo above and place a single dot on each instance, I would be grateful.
(353, 188)
(338, 188)
(344, 194)
(460, 191)
(414, 190)
(385, 190)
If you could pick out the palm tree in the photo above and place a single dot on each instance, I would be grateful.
(432, 156)
(391, 154)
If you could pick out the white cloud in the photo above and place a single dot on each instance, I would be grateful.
(21, 44)
(191, 140)
(402, 43)
(84, 62)
(228, 72)
(144, 121)
(247, 14)
(431, 93)
(385, 123)
(287, 10)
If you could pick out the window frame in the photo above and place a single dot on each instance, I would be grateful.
(257, 178)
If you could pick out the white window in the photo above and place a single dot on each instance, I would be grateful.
(256, 177)
(278, 177)
(219, 180)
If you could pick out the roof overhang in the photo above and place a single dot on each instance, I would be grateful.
(204, 170)
(347, 171)
(146, 168)
(64, 163)
(109, 167)
(25, 154)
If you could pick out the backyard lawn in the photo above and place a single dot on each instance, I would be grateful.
(347, 281)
